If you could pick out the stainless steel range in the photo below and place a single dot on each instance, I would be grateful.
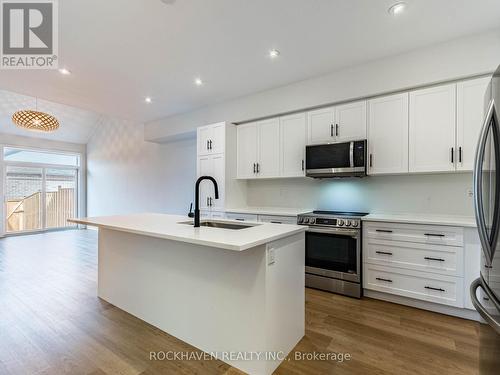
(333, 251)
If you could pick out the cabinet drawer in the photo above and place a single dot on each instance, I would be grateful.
(278, 219)
(241, 217)
(430, 234)
(446, 290)
(446, 260)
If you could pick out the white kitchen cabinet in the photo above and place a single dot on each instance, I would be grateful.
(293, 129)
(471, 103)
(258, 149)
(212, 165)
(388, 134)
(268, 162)
(432, 129)
(211, 139)
(247, 138)
(241, 217)
(320, 125)
(350, 121)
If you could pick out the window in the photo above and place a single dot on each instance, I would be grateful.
(41, 189)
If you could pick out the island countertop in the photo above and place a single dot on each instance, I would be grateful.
(170, 227)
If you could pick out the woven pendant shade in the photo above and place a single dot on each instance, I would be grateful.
(34, 120)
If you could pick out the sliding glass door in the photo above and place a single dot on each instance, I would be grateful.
(41, 190)
(23, 197)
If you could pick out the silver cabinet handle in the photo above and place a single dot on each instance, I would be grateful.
(331, 130)
(371, 160)
(254, 168)
(434, 235)
(208, 202)
(258, 167)
(336, 130)
(460, 154)
(239, 219)
(383, 230)
(302, 164)
(452, 155)
(383, 252)
(208, 145)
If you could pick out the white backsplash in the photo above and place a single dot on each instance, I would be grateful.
(433, 194)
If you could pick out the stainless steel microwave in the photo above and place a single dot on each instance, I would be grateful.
(346, 159)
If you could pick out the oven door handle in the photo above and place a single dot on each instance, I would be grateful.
(347, 232)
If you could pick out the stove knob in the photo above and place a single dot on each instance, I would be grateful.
(341, 223)
(312, 221)
(348, 223)
(299, 220)
(354, 224)
(306, 220)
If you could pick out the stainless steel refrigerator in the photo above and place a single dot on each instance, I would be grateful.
(485, 290)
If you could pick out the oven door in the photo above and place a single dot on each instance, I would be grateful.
(333, 252)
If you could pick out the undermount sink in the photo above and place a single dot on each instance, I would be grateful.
(220, 224)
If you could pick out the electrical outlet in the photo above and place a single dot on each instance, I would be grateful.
(271, 257)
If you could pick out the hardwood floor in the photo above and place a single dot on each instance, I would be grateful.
(51, 322)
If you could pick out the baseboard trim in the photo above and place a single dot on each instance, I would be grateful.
(424, 305)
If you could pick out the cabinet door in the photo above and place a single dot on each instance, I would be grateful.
(205, 169)
(204, 134)
(470, 114)
(432, 129)
(269, 148)
(293, 142)
(246, 150)
(218, 138)
(218, 172)
(320, 125)
(350, 121)
(388, 134)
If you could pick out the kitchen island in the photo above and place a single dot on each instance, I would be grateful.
(237, 294)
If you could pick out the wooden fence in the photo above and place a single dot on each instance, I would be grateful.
(26, 214)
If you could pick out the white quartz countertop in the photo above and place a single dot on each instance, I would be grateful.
(432, 219)
(169, 227)
(277, 211)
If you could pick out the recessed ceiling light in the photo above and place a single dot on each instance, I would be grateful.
(148, 99)
(64, 71)
(397, 8)
(198, 82)
(274, 53)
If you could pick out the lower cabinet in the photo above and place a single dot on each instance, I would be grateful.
(432, 263)
(241, 217)
(274, 219)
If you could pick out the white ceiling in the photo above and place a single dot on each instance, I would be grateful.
(123, 50)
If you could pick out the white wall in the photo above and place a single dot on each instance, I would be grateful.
(127, 174)
(30, 142)
(435, 194)
(456, 59)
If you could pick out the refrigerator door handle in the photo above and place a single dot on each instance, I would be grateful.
(480, 308)
(478, 184)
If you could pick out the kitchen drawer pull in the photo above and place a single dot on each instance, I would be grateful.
(383, 252)
(239, 219)
(438, 289)
(381, 279)
(437, 259)
(254, 168)
(336, 130)
(276, 222)
(434, 235)
(383, 230)
(331, 130)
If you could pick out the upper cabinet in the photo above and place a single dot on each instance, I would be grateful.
(388, 134)
(258, 146)
(471, 101)
(432, 129)
(350, 121)
(337, 124)
(211, 139)
(428, 130)
(293, 130)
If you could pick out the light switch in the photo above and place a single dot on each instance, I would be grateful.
(270, 256)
